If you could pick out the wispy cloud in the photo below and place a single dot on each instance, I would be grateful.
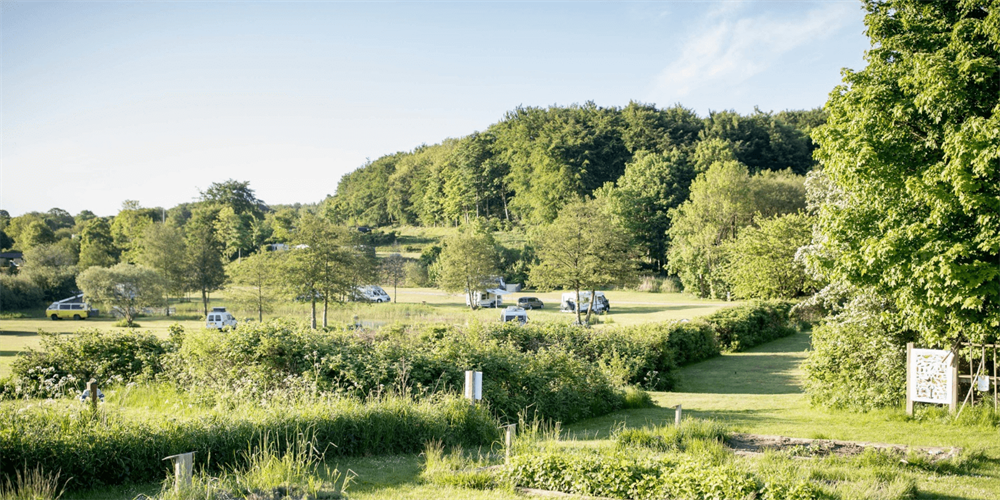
(734, 44)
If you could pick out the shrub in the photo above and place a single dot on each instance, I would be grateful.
(19, 292)
(858, 359)
(91, 353)
(117, 446)
(742, 327)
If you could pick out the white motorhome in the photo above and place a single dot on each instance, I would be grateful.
(514, 313)
(218, 318)
(568, 303)
(492, 297)
(371, 293)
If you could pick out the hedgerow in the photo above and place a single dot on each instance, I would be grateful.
(116, 446)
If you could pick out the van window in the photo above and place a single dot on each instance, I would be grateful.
(63, 306)
(211, 317)
(77, 306)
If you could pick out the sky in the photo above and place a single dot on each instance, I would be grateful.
(102, 102)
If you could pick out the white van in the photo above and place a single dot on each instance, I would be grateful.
(371, 293)
(514, 313)
(601, 305)
(218, 318)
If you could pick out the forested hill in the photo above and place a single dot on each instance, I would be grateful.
(531, 162)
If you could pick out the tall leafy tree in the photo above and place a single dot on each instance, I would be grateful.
(254, 282)
(235, 195)
(52, 268)
(127, 228)
(97, 246)
(393, 269)
(913, 141)
(124, 288)
(583, 250)
(643, 196)
(205, 271)
(328, 265)
(163, 250)
(762, 263)
(468, 263)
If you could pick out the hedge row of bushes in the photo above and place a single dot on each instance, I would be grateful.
(116, 445)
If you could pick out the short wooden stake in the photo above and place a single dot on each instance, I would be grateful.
(909, 379)
(183, 464)
(511, 429)
(92, 387)
(677, 415)
(470, 382)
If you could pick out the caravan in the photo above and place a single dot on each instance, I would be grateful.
(514, 313)
(371, 293)
(218, 318)
(492, 297)
(601, 305)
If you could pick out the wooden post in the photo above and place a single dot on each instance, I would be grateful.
(677, 415)
(183, 464)
(470, 382)
(995, 381)
(511, 429)
(92, 387)
(953, 406)
(909, 379)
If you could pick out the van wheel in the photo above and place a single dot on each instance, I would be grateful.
(55, 317)
(77, 317)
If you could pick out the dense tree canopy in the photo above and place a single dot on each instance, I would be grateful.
(913, 141)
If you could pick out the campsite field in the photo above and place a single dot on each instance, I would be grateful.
(415, 305)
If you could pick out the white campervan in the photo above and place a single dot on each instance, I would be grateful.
(218, 318)
(371, 293)
(514, 313)
(601, 305)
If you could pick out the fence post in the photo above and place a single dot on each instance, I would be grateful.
(92, 387)
(677, 415)
(511, 429)
(470, 382)
(183, 464)
(909, 379)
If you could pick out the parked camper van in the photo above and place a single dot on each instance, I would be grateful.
(601, 305)
(371, 293)
(218, 318)
(492, 297)
(514, 313)
(73, 307)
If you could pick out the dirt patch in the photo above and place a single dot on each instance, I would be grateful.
(755, 444)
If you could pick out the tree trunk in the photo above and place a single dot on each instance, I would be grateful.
(577, 307)
(590, 305)
(204, 300)
(260, 304)
(326, 305)
(313, 300)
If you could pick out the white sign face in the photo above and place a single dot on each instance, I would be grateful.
(931, 376)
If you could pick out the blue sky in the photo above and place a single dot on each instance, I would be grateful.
(153, 101)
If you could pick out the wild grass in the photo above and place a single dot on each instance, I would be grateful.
(33, 484)
(671, 437)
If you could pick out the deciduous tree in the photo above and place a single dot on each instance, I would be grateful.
(125, 288)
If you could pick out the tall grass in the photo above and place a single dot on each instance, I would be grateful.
(32, 484)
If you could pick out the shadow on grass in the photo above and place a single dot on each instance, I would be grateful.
(649, 309)
(378, 472)
(772, 368)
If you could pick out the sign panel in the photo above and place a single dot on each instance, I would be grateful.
(931, 376)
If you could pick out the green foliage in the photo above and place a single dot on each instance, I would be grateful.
(760, 141)
(124, 288)
(858, 358)
(33, 484)
(19, 292)
(762, 263)
(107, 356)
(913, 141)
(724, 200)
(255, 282)
(205, 272)
(163, 250)
(743, 327)
(52, 268)
(468, 263)
(237, 196)
(582, 250)
(670, 437)
(122, 446)
(96, 244)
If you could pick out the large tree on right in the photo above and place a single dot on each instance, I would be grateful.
(913, 142)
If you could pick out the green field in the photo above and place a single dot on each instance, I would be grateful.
(414, 305)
